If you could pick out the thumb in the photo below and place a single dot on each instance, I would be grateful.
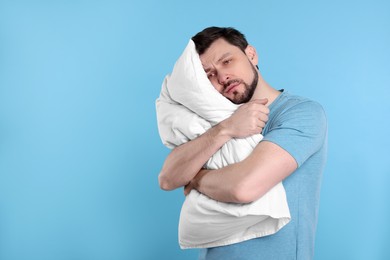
(262, 101)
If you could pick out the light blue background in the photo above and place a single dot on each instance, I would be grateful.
(79, 147)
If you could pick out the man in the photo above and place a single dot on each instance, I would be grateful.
(293, 149)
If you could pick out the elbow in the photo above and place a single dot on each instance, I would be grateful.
(242, 197)
(165, 183)
(245, 193)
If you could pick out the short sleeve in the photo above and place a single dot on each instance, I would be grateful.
(300, 129)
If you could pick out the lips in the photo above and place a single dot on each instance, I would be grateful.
(231, 86)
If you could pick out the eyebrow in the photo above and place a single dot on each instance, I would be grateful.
(223, 57)
(219, 60)
(207, 70)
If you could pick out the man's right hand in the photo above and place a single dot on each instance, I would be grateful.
(247, 120)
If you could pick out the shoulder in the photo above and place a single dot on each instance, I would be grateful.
(295, 123)
(290, 108)
(288, 101)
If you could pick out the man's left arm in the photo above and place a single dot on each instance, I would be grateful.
(248, 180)
(298, 134)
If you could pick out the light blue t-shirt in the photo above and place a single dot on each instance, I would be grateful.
(299, 126)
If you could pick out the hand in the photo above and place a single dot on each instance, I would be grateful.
(248, 119)
(194, 183)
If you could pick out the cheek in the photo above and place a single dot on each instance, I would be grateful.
(216, 85)
(248, 73)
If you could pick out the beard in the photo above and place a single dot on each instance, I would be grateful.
(244, 97)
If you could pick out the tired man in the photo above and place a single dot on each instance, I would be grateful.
(293, 149)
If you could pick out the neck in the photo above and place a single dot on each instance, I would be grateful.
(264, 90)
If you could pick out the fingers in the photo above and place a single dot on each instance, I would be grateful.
(249, 119)
(263, 117)
(258, 111)
(261, 101)
(261, 124)
(259, 105)
(187, 189)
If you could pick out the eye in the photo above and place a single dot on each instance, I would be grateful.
(226, 62)
(210, 75)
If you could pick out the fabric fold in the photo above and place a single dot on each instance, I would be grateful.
(187, 107)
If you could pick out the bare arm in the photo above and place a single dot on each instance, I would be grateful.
(249, 179)
(302, 125)
(185, 161)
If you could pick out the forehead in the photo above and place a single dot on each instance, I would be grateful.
(216, 50)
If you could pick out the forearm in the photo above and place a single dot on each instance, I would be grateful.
(249, 179)
(185, 161)
(229, 185)
(221, 185)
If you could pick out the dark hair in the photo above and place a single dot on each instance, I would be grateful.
(205, 38)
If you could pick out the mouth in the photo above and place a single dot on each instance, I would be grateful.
(231, 87)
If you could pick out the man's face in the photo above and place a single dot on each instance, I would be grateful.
(230, 70)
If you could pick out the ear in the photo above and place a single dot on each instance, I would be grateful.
(251, 53)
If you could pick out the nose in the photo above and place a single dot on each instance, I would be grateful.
(222, 78)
